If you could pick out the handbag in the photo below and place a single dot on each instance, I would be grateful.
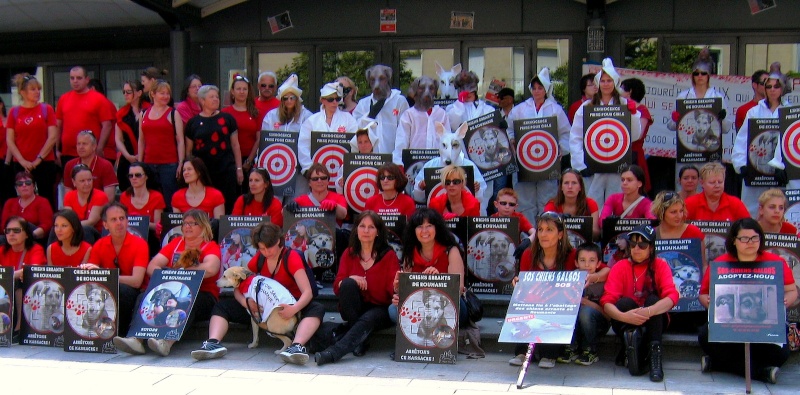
(474, 306)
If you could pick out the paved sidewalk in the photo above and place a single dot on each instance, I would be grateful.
(40, 370)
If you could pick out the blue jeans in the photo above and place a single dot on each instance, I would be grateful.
(164, 175)
(591, 324)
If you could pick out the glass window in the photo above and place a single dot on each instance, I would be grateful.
(641, 53)
(116, 78)
(418, 62)
(352, 64)
(232, 61)
(682, 57)
(506, 64)
(285, 64)
(61, 83)
(761, 56)
(553, 54)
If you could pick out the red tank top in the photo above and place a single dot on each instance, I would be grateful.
(159, 139)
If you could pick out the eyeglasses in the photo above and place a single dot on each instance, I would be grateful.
(703, 73)
(135, 175)
(242, 78)
(669, 196)
(21, 183)
(13, 230)
(510, 204)
(384, 177)
(347, 90)
(290, 97)
(332, 99)
(457, 181)
(642, 245)
(270, 86)
(751, 239)
(129, 92)
(773, 86)
(190, 224)
(323, 178)
(551, 215)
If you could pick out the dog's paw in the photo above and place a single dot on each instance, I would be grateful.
(252, 345)
(415, 317)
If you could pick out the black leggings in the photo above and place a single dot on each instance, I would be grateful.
(654, 327)
(362, 319)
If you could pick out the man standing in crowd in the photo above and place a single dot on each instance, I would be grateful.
(267, 87)
(757, 82)
(81, 109)
(105, 178)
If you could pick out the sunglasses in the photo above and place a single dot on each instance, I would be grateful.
(319, 178)
(270, 86)
(241, 78)
(751, 239)
(347, 90)
(773, 86)
(670, 195)
(13, 230)
(21, 183)
(510, 204)
(551, 215)
(453, 182)
(703, 73)
(642, 245)
(332, 99)
(390, 178)
(28, 78)
(292, 98)
(127, 92)
(135, 175)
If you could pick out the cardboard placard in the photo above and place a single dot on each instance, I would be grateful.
(792, 213)
(166, 305)
(434, 186)
(328, 149)
(488, 146)
(544, 307)
(685, 258)
(788, 247)
(138, 225)
(427, 325)
(607, 138)
(537, 149)
(613, 228)
(235, 241)
(92, 310)
(746, 303)
(43, 306)
(6, 305)
(395, 226)
(170, 227)
(413, 162)
(312, 232)
(699, 131)
(360, 175)
(763, 136)
(277, 152)
(579, 229)
(715, 232)
(790, 133)
(490, 254)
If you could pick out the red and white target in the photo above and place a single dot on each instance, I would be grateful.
(438, 190)
(359, 187)
(607, 140)
(790, 148)
(537, 151)
(280, 162)
(332, 157)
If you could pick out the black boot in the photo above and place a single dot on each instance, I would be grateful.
(656, 371)
(361, 349)
(633, 352)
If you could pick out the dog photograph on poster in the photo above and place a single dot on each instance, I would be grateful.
(43, 307)
(700, 131)
(428, 318)
(746, 304)
(761, 150)
(237, 248)
(314, 239)
(489, 148)
(166, 305)
(491, 256)
(92, 311)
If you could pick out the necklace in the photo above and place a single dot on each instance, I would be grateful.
(24, 205)
(637, 292)
(392, 200)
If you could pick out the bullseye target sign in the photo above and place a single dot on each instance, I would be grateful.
(537, 149)
(790, 140)
(361, 172)
(606, 140)
(437, 191)
(328, 149)
(277, 152)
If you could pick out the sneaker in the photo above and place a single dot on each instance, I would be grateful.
(517, 361)
(209, 350)
(705, 363)
(587, 358)
(159, 346)
(547, 363)
(130, 345)
(771, 374)
(567, 355)
(295, 354)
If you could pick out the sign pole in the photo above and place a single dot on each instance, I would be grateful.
(525, 363)
(748, 379)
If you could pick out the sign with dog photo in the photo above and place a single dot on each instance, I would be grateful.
(746, 303)
(685, 258)
(544, 307)
(92, 310)
(763, 137)
(579, 229)
(790, 127)
(170, 227)
(699, 130)
(138, 225)
(361, 173)
(490, 254)
(615, 237)
(166, 305)
(328, 149)
(788, 247)
(6, 305)
(489, 147)
(234, 239)
(312, 232)
(434, 186)
(413, 162)
(792, 213)
(395, 225)
(607, 138)
(427, 322)
(537, 149)
(277, 152)
(460, 229)
(43, 306)
(716, 232)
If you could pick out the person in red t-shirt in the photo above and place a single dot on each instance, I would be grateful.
(506, 205)
(70, 249)
(17, 251)
(197, 191)
(32, 134)
(82, 109)
(457, 201)
(104, 177)
(126, 129)
(391, 200)
(86, 201)
(588, 90)
(745, 243)
(260, 200)
(713, 204)
(35, 209)
(771, 210)
(320, 196)
(757, 83)
(670, 210)
(124, 251)
(189, 105)
(571, 199)
(244, 111)
(197, 236)
(267, 86)
(365, 286)
(109, 148)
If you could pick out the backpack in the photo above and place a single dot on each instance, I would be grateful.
(285, 258)
(15, 111)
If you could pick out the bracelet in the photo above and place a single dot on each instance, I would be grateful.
(238, 168)
(649, 314)
(40, 157)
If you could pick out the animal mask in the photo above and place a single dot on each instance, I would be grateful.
(425, 89)
(447, 80)
(450, 148)
(378, 77)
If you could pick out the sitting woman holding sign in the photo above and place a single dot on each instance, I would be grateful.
(771, 212)
(260, 199)
(571, 200)
(745, 243)
(631, 202)
(638, 294)
(457, 201)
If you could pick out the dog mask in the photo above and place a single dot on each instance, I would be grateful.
(447, 80)
(378, 77)
(425, 89)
